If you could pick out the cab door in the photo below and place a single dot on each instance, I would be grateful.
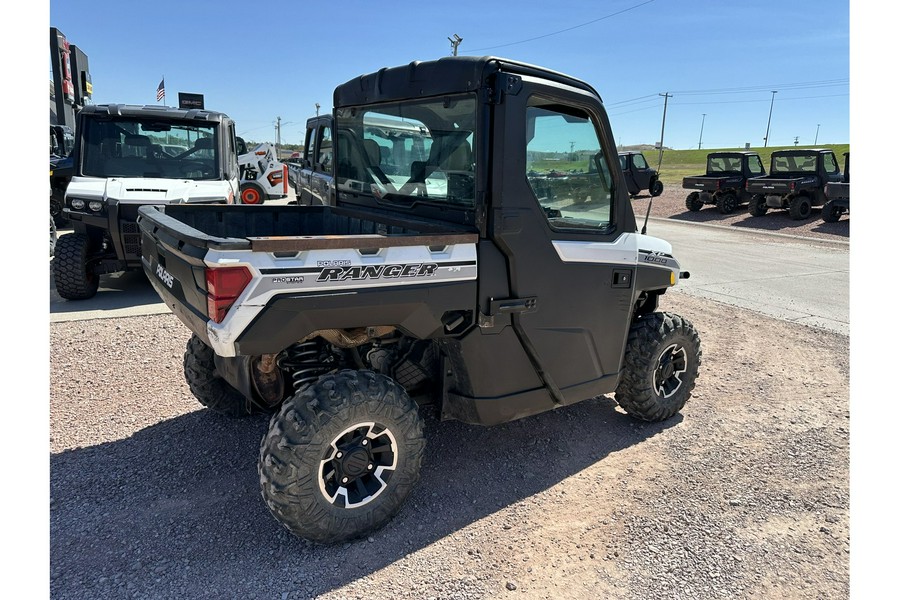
(569, 241)
(640, 170)
(321, 185)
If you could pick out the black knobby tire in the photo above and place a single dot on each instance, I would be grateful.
(656, 187)
(693, 202)
(830, 213)
(662, 360)
(54, 236)
(252, 193)
(300, 461)
(72, 274)
(726, 203)
(757, 206)
(207, 386)
(800, 208)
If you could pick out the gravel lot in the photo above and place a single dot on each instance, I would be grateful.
(743, 495)
(670, 204)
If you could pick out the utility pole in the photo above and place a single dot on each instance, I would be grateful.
(700, 143)
(817, 134)
(455, 41)
(317, 109)
(277, 134)
(796, 140)
(772, 105)
(663, 132)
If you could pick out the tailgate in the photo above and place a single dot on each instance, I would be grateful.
(701, 183)
(174, 266)
(770, 186)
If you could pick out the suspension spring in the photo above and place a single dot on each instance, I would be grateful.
(305, 363)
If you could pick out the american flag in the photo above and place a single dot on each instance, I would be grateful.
(161, 89)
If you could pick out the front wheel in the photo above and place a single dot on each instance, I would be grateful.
(72, 273)
(757, 206)
(252, 193)
(341, 456)
(656, 187)
(662, 360)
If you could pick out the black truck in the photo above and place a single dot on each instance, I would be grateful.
(796, 182)
(118, 165)
(638, 174)
(62, 142)
(460, 281)
(313, 174)
(838, 194)
(724, 180)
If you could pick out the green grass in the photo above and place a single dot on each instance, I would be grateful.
(677, 164)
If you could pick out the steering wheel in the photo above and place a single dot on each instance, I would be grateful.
(195, 164)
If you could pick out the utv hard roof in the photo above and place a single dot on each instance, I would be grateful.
(801, 151)
(447, 75)
(733, 153)
(162, 112)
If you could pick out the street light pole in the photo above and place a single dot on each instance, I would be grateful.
(700, 143)
(772, 105)
(817, 134)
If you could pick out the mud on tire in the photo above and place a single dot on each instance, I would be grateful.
(207, 386)
(341, 456)
(662, 360)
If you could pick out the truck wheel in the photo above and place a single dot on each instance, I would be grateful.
(341, 456)
(830, 213)
(73, 276)
(207, 386)
(662, 359)
(252, 193)
(656, 187)
(757, 206)
(693, 202)
(800, 208)
(53, 236)
(727, 203)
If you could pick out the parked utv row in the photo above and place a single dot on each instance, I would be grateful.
(797, 181)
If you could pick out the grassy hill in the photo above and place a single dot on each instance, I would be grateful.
(677, 164)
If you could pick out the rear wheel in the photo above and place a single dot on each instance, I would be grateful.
(74, 278)
(252, 193)
(800, 208)
(727, 203)
(341, 456)
(207, 385)
(830, 213)
(757, 206)
(656, 187)
(662, 360)
(693, 202)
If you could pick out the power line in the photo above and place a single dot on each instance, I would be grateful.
(540, 37)
(758, 101)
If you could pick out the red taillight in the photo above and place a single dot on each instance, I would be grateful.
(223, 286)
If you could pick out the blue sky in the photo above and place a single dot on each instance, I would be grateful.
(257, 62)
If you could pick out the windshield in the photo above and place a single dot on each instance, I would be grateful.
(723, 164)
(416, 150)
(151, 147)
(794, 163)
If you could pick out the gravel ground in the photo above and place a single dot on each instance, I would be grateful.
(745, 494)
(670, 204)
